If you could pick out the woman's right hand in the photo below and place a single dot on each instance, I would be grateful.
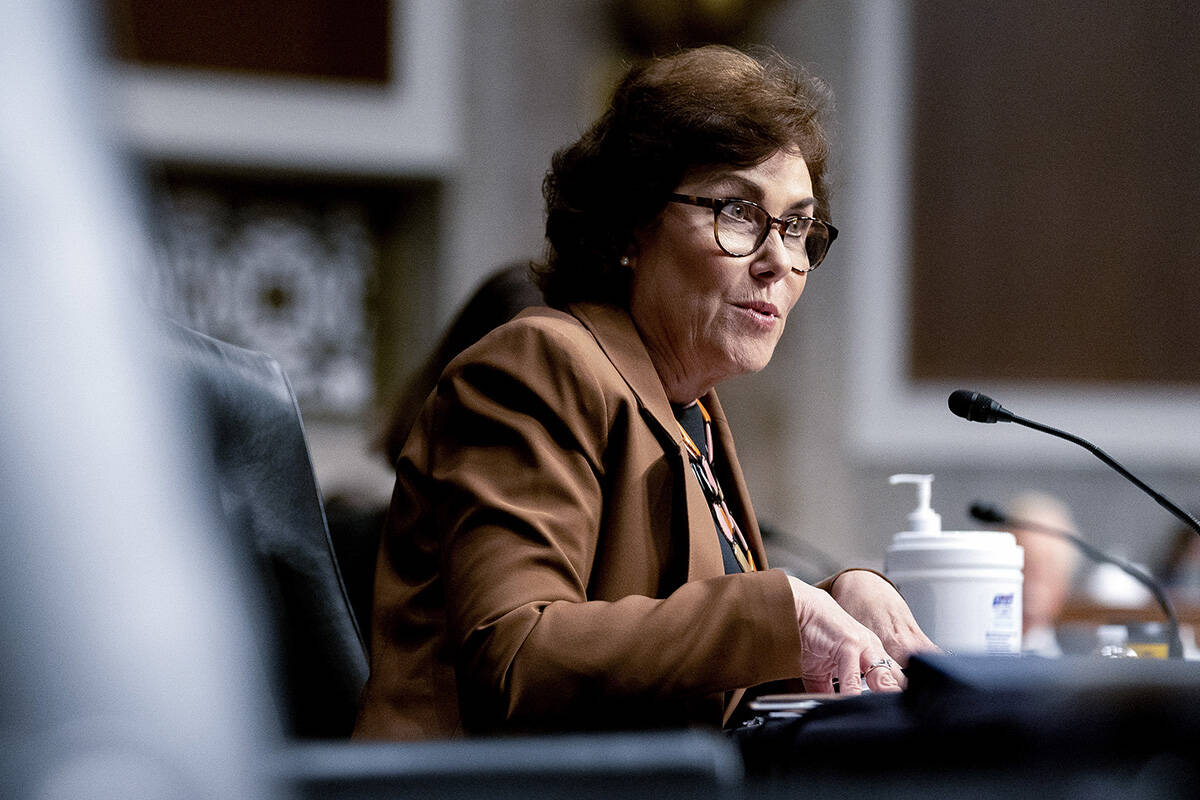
(834, 644)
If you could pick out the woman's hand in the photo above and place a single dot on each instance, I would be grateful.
(834, 644)
(876, 604)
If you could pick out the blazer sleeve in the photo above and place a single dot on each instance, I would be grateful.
(519, 465)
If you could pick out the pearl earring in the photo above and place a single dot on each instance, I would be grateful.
(624, 261)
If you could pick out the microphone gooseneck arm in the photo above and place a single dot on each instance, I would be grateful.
(985, 512)
(1183, 516)
(981, 408)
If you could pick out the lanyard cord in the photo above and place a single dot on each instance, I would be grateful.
(702, 466)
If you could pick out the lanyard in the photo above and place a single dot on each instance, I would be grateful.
(702, 466)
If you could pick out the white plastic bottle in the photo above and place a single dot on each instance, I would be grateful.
(964, 587)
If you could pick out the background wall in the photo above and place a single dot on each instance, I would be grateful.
(858, 414)
(835, 413)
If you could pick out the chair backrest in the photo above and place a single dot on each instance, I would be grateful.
(271, 502)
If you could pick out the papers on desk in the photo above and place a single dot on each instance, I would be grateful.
(776, 706)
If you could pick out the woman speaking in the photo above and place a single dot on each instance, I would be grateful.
(571, 544)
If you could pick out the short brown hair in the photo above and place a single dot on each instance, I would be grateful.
(706, 107)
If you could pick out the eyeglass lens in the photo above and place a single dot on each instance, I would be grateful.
(742, 227)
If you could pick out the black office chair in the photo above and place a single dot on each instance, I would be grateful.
(271, 502)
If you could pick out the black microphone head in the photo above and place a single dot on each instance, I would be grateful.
(977, 407)
(986, 512)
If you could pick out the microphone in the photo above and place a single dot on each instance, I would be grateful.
(978, 407)
(986, 512)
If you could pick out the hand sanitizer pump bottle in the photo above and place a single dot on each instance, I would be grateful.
(964, 587)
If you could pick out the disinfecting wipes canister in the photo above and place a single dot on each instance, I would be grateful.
(964, 587)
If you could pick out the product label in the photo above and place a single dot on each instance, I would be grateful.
(1003, 636)
(1002, 611)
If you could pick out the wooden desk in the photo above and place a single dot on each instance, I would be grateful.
(1081, 611)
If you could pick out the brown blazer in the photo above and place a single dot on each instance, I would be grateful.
(550, 563)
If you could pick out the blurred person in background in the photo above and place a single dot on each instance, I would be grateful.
(1050, 565)
(571, 543)
(1179, 565)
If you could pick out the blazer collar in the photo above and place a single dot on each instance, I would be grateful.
(622, 344)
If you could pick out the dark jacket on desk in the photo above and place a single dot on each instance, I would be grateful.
(550, 563)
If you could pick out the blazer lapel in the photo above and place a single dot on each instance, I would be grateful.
(733, 482)
(704, 548)
(619, 339)
(623, 346)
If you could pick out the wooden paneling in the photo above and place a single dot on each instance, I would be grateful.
(1056, 192)
(323, 39)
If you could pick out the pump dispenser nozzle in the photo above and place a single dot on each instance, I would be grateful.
(923, 518)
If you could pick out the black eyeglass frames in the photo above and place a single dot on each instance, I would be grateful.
(741, 227)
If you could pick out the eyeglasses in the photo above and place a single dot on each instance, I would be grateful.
(742, 226)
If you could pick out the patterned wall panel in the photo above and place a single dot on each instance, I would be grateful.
(287, 276)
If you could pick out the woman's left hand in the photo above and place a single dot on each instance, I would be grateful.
(879, 607)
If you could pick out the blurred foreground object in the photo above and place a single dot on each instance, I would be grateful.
(129, 666)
